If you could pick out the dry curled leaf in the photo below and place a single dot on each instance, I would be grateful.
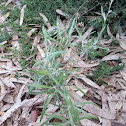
(61, 12)
(114, 56)
(88, 81)
(87, 122)
(8, 82)
(41, 52)
(3, 18)
(34, 115)
(29, 34)
(123, 43)
(36, 41)
(84, 36)
(45, 20)
(92, 108)
(8, 99)
(22, 15)
(2, 90)
(109, 32)
(15, 43)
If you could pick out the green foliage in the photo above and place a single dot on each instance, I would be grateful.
(14, 14)
(51, 78)
(24, 41)
(48, 8)
(119, 17)
(97, 53)
(4, 35)
(24, 52)
(114, 43)
(104, 70)
(56, 88)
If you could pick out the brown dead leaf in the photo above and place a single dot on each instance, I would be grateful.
(67, 55)
(9, 64)
(106, 122)
(117, 124)
(84, 36)
(122, 117)
(111, 104)
(8, 99)
(38, 57)
(22, 15)
(41, 51)
(45, 20)
(87, 122)
(22, 80)
(123, 43)
(31, 32)
(11, 110)
(122, 83)
(92, 108)
(18, 99)
(110, 57)
(15, 43)
(88, 81)
(2, 91)
(123, 73)
(51, 109)
(6, 107)
(109, 32)
(3, 18)
(118, 105)
(103, 42)
(24, 103)
(34, 115)
(37, 124)
(37, 99)
(114, 56)
(82, 64)
(60, 12)
(8, 82)
(82, 87)
(4, 72)
(76, 60)
(18, 65)
(62, 27)
(36, 42)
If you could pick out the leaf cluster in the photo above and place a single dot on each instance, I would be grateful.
(104, 70)
(97, 53)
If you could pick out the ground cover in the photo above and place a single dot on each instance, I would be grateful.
(58, 67)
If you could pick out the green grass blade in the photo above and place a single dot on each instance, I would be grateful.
(38, 86)
(56, 123)
(40, 72)
(52, 116)
(45, 105)
(71, 118)
(77, 88)
(85, 113)
(42, 92)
